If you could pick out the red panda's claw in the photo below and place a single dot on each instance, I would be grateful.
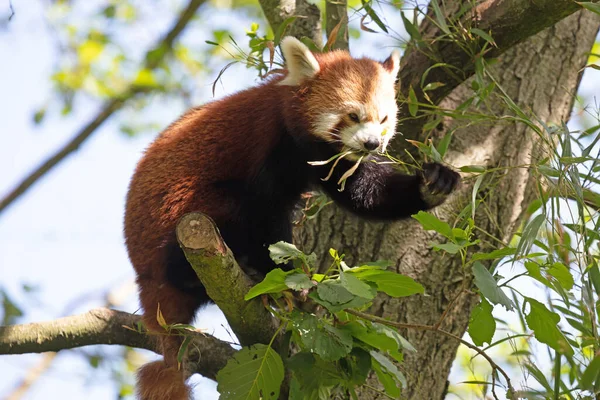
(440, 179)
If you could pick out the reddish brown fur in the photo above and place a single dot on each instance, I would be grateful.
(220, 141)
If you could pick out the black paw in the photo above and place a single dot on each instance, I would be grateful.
(438, 179)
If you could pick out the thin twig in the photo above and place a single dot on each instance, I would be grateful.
(12, 10)
(495, 367)
(109, 108)
(447, 309)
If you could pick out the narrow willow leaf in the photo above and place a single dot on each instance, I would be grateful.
(591, 374)
(474, 194)
(484, 36)
(593, 7)
(439, 17)
(412, 30)
(489, 287)
(529, 233)
(413, 103)
(280, 33)
(443, 145)
(500, 253)
(431, 223)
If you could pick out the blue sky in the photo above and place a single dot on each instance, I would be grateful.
(64, 237)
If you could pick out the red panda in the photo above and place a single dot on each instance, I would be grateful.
(243, 160)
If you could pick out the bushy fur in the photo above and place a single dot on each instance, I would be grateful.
(243, 161)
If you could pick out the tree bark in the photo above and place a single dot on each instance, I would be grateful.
(541, 75)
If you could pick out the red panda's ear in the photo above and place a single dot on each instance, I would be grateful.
(300, 62)
(392, 63)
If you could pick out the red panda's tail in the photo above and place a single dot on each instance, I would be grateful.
(157, 381)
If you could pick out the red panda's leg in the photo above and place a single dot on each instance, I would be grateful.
(162, 379)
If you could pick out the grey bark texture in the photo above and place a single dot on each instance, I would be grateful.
(541, 75)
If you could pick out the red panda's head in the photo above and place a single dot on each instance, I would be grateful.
(348, 101)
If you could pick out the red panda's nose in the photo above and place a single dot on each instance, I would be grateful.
(371, 144)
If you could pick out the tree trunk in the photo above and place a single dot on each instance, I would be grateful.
(541, 75)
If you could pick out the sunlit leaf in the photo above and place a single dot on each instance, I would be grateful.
(252, 373)
(544, 324)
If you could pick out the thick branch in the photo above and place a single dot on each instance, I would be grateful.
(224, 280)
(105, 326)
(307, 22)
(508, 21)
(109, 108)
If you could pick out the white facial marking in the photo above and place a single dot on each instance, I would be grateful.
(324, 124)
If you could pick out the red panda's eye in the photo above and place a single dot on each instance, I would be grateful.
(384, 119)
(354, 117)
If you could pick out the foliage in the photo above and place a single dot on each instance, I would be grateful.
(334, 350)
(556, 251)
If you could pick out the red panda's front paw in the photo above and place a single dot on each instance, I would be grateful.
(438, 181)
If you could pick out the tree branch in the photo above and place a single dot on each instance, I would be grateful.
(106, 326)
(336, 12)
(308, 17)
(224, 280)
(508, 21)
(110, 107)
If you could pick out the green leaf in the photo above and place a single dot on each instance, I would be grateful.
(535, 271)
(274, 282)
(482, 324)
(359, 367)
(145, 78)
(474, 194)
(483, 35)
(391, 283)
(389, 384)
(544, 324)
(500, 253)
(332, 291)
(433, 86)
(412, 30)
(431, 223)
(372, 337)
(489, 287)
(254, 372)
(313, 373)
(590, 375)
(39, 116)
(449, 247)
(444, 143)
(356, 286)
(319, 337)
(473, 168)
(283, 252)
(280, 33)
(375, 17)
(593, 7)
(413, 103)
(388, 366)
(562, 275)
(298, 281)
(529, 233)
(439, 16)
